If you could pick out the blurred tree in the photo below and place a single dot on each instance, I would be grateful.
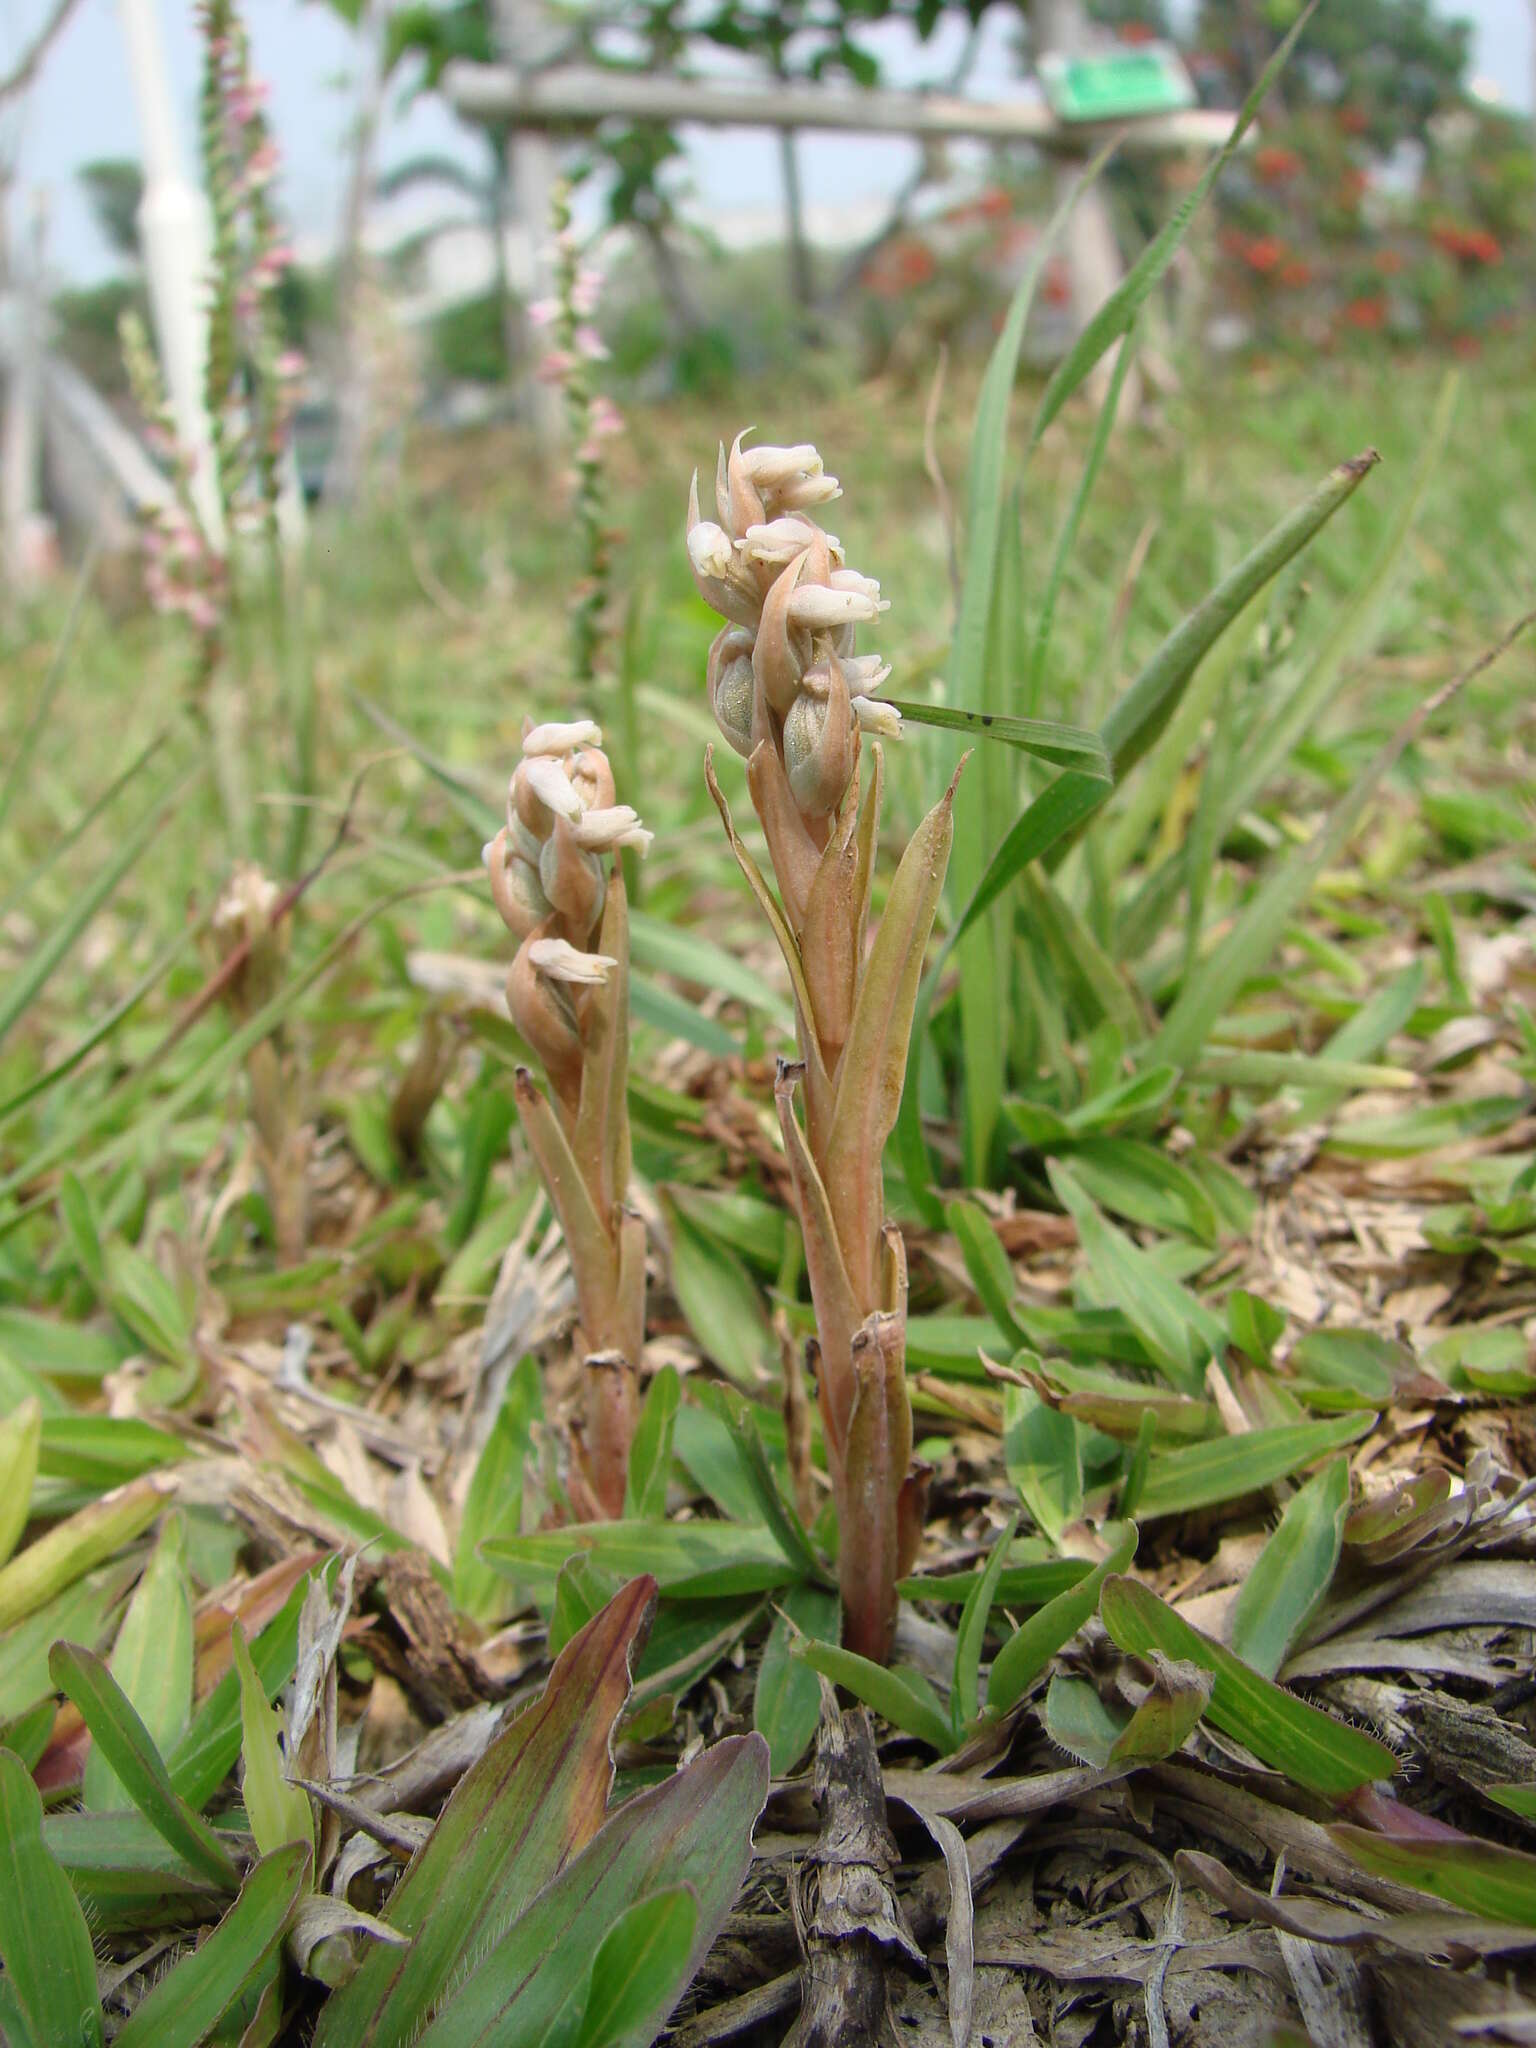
(1395, 63)
(114, 187)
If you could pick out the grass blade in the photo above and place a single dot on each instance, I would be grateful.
(128, 1748)
(45, 1944)
(187, 2004)
(1294, 1570)
(1324, 1755)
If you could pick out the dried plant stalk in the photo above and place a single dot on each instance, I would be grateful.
(562, 896)
(790, 693)
(246, 923)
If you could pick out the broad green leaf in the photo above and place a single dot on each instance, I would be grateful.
(101, 1451)
(1043, 1457)
(1293, 1572)
(82, 1613)
(1367, 1033)
(724, 1309)
(152, 1660)
(71, 1548)
(206, 1753)
(79, 1219)
(779, 1517)
(965, 1700)
(694, 1560)
(1481, 1877)
(64, 931)
(494, 1503)
(188, 2002)
(1030, 1649)
(978, 663)
(126, 1874)
(1227, 1468)
(1519, 1799)
(582, 1591)
(904, 1698)
(143, 1299)
(986, 1262)
(21, 1433)
(279, 1812)
(650, 1455)
(1029, 1579)
(690, 955)
(1069, 746)
(786, 1703)
(1255, 1325)
(534, 1800)
(126, 1745)
(45, 1944)
(694, 1829)
(640, 1969)
(1077, 1720)
(1324, 1755)
(1177, 1328)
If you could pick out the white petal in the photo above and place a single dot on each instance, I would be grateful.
(802, 492)
(596, 831)
(709, 549)
(561, 961)
(780, 540)
(850, 579)
(770, 467)
(552, 786)
(816, 607)
(638, 837)
(883, 720)
(563, 739)
(864, 673)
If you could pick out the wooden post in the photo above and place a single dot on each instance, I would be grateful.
(1060, 27)
(527, 38)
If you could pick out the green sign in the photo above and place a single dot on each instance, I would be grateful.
(1117, 85)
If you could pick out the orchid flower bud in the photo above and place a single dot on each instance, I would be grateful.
(572, 880)
(515, 887)
(820, 742)
(730, 697)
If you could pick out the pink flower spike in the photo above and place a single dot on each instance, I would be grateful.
(556, 366)
(543, 312)
(604, 418)
(585, 293)
(589, 343)
(291, 363)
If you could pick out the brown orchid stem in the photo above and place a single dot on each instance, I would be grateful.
(568, 991)
(790, 694)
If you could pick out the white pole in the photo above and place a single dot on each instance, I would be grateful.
(22, 521)
(175, 234)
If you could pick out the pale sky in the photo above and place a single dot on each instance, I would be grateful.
(81, 108)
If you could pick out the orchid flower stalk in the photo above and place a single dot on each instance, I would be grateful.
(560, 892)
(791, 694)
